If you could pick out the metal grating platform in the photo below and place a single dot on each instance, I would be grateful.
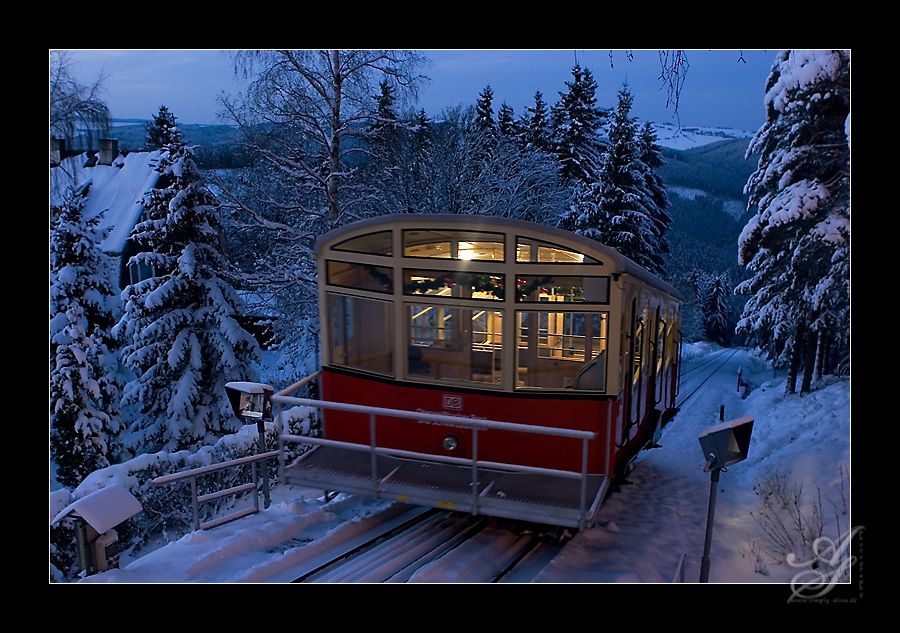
(540, 498)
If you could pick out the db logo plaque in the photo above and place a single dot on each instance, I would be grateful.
(452, 403)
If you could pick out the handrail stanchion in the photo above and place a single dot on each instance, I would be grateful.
(195, 505)
(374, 456)
(584, 460)
(474, 470)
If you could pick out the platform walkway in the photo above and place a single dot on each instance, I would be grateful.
(537, 497)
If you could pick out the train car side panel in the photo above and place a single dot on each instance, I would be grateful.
(527, 449)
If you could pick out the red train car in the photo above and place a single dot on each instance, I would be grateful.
(483, 318)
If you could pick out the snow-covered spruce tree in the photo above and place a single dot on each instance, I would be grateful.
(84, 388)
(575, 122)
(650, 157)
(163, 130)
(182, 339)
(619, 209)
(535, 126)
(717, 323)
(797, 244)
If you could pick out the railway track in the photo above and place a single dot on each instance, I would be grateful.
(437, 546)
(695, 375)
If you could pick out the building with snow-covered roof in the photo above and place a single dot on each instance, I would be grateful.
(112, 184)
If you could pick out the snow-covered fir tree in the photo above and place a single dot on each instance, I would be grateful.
(717, 323)
(182, 339)
(506, 121)
(650, 158)
(575, 123)
(535, 125)
(84, 388)
(163, 130)
(797, 245)
(484, 110)
(619, 209)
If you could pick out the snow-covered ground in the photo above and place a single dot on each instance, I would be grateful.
(643, 530)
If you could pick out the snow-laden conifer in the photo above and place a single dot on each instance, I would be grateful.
(576, 121)
(84, 388)
(620, 208)
(182, 338)
(797, 245)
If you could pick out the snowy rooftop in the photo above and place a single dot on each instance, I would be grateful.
(116, 190)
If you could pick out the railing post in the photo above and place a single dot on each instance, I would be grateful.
(195, 505)
(474, 470)
(584, 460)
(374, 456)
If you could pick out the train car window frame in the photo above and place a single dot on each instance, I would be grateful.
(383, 276)
(556, 365)
(454, 237)
(458, 352)
(343, 318)
(362, 240)
(457, 284)
(535, 246)
(527, 284)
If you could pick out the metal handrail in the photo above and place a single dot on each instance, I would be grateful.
(196, 499)
(474, 424)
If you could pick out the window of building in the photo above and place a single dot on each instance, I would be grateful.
(561, 350)
(453, 244)
(361, 333)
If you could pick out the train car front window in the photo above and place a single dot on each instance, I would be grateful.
(531, 250)
(561, 350)
(454, 244)
(455, 344)
(449, 283)
(378, 243)
(571, 289)
(361, 333)
(360, 276)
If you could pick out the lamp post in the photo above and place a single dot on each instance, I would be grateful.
(723, 444)
(253, 401)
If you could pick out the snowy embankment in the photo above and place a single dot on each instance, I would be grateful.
(643, 529)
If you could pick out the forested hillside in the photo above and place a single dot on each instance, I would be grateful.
(708, 209)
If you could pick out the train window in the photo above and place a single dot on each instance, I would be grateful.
(448, 283)
(378, 243)
(360, 276)
(531, 250)
(561, 350)
(453, 244)
(361, 333)
(458, 344)
(569, 289)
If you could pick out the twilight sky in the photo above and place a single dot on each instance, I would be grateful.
(724, 88)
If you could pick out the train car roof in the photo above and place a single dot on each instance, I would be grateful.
(622, 263)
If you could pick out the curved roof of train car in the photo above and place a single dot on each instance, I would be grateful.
(622, 263)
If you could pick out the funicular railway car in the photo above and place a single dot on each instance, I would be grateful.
(485, 329)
